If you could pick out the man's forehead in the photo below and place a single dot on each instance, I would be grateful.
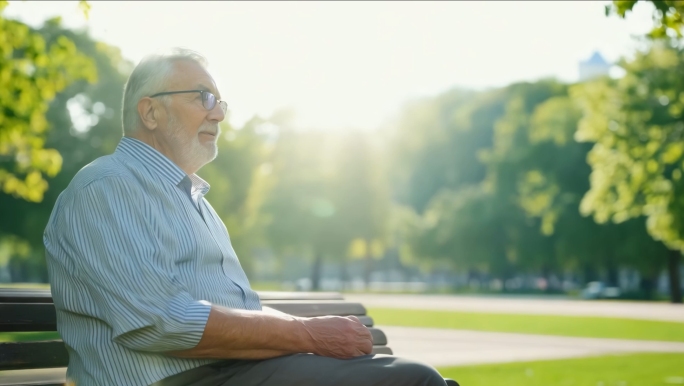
(192, 75)
(205, 87)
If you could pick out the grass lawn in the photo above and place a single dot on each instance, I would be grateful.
(25, 285)
(27, 336)
(267, 286)
(584, 326)
(622, 370)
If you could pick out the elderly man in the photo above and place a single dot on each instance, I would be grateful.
(147, 287)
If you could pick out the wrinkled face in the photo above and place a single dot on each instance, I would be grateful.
(191, 130)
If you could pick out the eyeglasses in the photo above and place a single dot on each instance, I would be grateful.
(208, 99)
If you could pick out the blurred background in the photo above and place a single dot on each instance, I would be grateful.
(466, 158)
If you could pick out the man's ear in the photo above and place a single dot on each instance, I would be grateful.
(147, 111)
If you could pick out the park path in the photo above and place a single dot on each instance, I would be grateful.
(519, 305)
(444, 347)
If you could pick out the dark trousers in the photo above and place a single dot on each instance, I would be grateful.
(308, 369)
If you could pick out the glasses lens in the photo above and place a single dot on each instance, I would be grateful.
(208, 100)
(224, 106)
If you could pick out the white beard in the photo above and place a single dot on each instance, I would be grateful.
(190, 152)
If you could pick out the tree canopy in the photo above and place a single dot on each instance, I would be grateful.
(32, 71)
(541, 179)
(668, 15)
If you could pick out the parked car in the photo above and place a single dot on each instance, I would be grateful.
(599, 290)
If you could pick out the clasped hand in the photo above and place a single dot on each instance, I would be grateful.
(338, 336)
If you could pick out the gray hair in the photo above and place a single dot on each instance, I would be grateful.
(149, 77)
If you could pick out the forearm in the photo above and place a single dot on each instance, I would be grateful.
(241, 334)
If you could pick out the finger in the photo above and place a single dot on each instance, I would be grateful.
(367, 334)
(365, 347)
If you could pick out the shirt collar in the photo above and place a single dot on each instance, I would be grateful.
(199, 184)
(159, 164)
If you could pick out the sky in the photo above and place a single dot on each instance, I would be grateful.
(353, 65)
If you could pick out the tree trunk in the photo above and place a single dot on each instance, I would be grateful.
(367, 269)
(647, 285)
(344, 274)
(316, 272)
(613, 275)
(546, 274)
(280, 267)
(589, 273)
(674, 263)
(368, 266)
(474, 276)
(16, 272)
(505, 276)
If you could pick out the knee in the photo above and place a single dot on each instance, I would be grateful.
(420, 374)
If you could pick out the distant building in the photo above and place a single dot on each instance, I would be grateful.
(594, 67)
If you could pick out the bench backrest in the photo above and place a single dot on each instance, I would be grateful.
(32, 310)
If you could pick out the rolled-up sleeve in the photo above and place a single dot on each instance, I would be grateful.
(111, 237)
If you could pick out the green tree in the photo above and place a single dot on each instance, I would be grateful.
(434, 152)
(32, 72)
(636, 124)
(512, 164)
(302, 215)
(434, 144)
(667, 16)
(86, 124)
(555, 181)
(537, 166)
(239, 182)
(524, 216)
(462, 228)
(360, 191)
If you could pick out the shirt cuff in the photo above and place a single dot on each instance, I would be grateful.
(193, 319)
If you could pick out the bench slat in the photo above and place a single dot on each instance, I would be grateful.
(43, 377)
(276, 295)
(317, 308)
(15, 317)
(57, 377)
(379, 337)
(366, 320)
(27, 317)
(31, 355)
(32, 310)
(53, 353)
(382, 350)
(15, 295)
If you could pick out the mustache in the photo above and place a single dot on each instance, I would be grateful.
(210, 128)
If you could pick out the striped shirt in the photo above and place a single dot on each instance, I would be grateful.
(136, 256)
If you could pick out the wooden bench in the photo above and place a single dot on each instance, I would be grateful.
(43, 363)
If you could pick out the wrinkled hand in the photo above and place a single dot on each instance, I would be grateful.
(338, 337)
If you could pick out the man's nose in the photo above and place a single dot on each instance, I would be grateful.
(216, 114)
